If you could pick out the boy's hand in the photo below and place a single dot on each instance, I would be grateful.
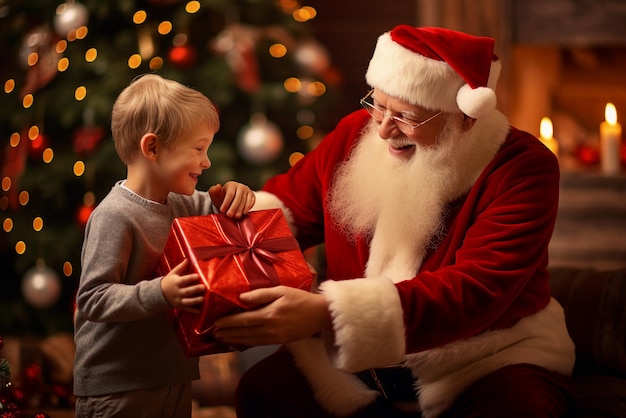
(183, 292)
(234, 199)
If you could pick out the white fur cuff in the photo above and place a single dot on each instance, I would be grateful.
(367, 321)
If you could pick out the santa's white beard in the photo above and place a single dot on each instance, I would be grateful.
(397, 202)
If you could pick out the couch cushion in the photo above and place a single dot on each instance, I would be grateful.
(594, 303)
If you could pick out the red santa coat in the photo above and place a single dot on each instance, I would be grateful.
(478, 301)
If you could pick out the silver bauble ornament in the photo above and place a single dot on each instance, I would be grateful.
(260, 142)
(70, 16)
(36, 40)
(41, 286)
(313, 57)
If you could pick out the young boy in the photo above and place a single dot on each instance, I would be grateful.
(129, 362)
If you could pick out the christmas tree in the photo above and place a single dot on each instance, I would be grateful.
(63, 66)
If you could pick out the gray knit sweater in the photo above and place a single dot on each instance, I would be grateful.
(123, 338)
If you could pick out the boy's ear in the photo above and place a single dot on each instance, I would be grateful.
(149, 145)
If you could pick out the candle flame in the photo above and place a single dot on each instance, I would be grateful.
(610, 114)
(545, 128)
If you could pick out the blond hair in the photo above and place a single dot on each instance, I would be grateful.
(166, 108)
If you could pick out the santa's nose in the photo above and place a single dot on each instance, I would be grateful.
(388, 129)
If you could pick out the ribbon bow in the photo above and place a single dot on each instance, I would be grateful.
(254, 255)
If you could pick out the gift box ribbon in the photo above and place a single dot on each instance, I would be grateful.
(255, 254)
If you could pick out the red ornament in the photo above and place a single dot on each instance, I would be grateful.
(183, 56)
(82, 215)
(37, 146)
(588, 155)
(86, 139)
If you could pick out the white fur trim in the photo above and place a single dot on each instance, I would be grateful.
(412, 77)
(476, 103)
(428, 83)
(266, 200)
(338, 392)
(367, 321)
(445, 372)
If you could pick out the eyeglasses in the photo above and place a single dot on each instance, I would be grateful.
(406, 126)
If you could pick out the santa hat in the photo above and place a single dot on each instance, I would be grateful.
(436, 68)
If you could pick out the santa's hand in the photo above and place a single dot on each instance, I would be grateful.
(285, 315)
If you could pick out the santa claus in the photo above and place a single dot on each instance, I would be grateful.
(436, 217)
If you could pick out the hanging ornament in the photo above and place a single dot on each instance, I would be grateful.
(34, 41)
(238, 45)
(70, 16)
(260, 142)
(84, 211)
(183, 56)
(37, 145)
(38, 56)
(82, 215)
(86, 139)
(41, 286)
(313, 57)
(588, 154)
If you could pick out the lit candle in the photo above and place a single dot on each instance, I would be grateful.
(610, 141)
(545, 130)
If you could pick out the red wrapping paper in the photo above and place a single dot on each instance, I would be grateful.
(231, 256)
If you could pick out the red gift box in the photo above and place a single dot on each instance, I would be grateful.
(231, 256)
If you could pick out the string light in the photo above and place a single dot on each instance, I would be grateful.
(67, 269)
(91, 55)
(63, 64)
(79, 168)
(80, 93)
(292, 85)
(134, 61)
(28, 101)
(288, 6)
(38, 224)
(7, 225)
(304, 14)
(164, 27)
(192, 7)
(47, 155)
(316, 88)
(81, 32)
(305, 132)
(33, 132)
(295, 157)
(278, 50)
(9, 85)
(20, 247)
(32, 59)
(156, 63)
(61, 46)
(6, 184)
(24, 198)
(14, 141)
(139, 17)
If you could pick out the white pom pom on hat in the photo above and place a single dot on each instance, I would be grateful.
(436, 68)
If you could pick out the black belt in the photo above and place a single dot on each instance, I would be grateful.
(395, 383)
